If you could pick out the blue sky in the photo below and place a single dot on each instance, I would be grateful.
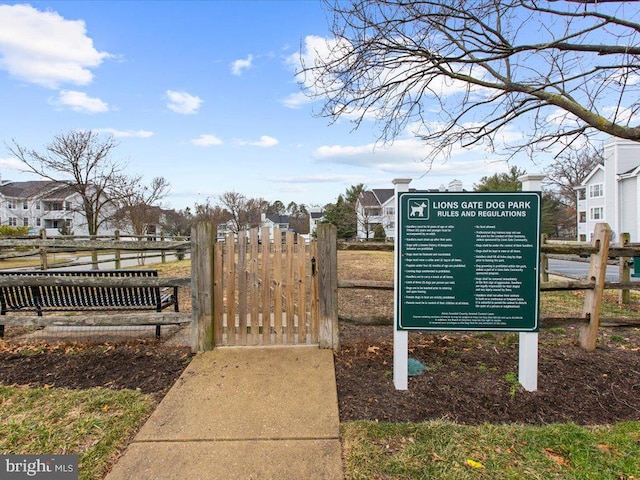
(201, 93)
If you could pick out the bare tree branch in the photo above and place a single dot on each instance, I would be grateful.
(397, 61)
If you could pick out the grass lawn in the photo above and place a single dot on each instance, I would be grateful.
(443, 450)
(95, 423)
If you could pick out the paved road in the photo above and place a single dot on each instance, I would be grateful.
(110, 265)
(580, 269)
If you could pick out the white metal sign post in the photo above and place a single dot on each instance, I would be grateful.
(400, 337)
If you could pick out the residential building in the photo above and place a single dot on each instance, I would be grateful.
(610, 192)
(316, 215)
(42, 204)
(377, 207)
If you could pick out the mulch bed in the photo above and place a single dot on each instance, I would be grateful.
(146, 365)
(470, 377)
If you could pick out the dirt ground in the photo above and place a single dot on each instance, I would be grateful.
(470, 378)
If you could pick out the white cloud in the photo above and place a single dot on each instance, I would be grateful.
(81, 102)
(620, 115)
(296, 100)
(44, 48)
(13, 164)
(126, 133)
(239, 65)
(265, 141)
(318, 178)
(183, 102)
(406, 157)
(206, 141)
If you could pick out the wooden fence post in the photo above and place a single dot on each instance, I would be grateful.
(203, 237)
(117, 252)
(44, 264)
(593, 298)
(625, 271)
(328, 286)
(544, 261)
(163, 255)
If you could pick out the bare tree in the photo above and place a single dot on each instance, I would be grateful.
(140, 208)
(211, 213)
(178, 223)
(466, 70)
(568, 172)
(244, 212)
(81, 160)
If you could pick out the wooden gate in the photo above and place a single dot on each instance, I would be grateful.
(254, 289)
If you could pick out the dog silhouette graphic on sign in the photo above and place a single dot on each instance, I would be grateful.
(418, 210)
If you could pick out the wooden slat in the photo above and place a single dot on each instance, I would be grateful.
(218, 294)
(254, 285)
(53, 278)
(277, 284)
(102, 320)
(242, 287)
(230, 284)
(302, 291)
(267, 279)
(290, 290)
(313, 295)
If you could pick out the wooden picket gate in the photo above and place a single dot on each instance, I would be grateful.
(251, 289)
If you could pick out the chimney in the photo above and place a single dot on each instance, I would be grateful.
(455, 186)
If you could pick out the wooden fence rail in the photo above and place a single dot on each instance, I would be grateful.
(594, 284)
(89, 245)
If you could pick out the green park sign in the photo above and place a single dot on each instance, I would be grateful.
(468, 261)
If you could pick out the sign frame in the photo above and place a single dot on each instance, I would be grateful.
(448, 218)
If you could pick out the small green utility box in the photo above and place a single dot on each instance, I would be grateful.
(636, 267)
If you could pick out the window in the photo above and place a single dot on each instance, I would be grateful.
(389, 210)
(25, 222)
(25, 205)
(583, 217)
(13, 222)
(582, 194)
(67, 206)
(583, 237)
(596, 190)
(37, 205)
(596, 213)
(38, 222)
(11, 204)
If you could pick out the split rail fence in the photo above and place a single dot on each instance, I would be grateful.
(599, 250)
(58, 251)
(249, 289)
(11, 248)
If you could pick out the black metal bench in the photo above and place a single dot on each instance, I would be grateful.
(41, 298)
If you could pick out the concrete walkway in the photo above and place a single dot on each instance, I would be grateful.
(243, 413)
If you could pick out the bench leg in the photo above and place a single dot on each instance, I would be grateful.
(1, 331)
(158, 331)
